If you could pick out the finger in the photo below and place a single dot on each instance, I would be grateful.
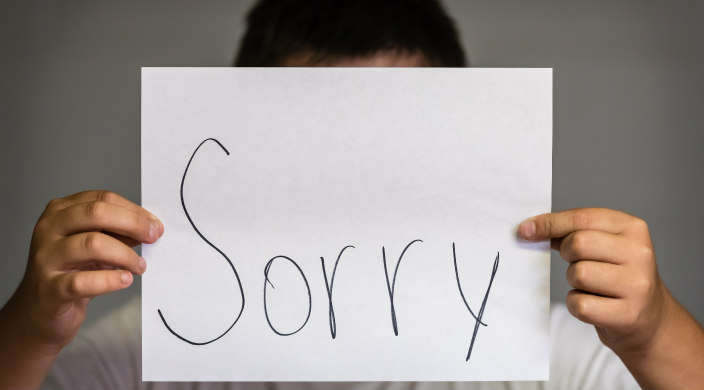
(92, 196)
(562, 223)
(94, 247)
(130, 242)
(599, 246)
(598, 278)
(603, 312)
(88, 284)
(99, 215)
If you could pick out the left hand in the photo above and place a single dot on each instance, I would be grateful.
(612, 268)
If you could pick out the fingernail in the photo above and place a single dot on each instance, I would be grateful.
(527, 229)
(142, 263)
(156, 228)
(126, 277)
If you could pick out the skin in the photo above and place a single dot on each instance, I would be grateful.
(617, 289)
(388, 59)
(82, 248)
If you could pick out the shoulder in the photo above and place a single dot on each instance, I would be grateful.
(106, 354)
(578, 359)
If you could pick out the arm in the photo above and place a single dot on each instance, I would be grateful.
(619, 291)
(81, 248)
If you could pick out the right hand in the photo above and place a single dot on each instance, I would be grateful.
(81, 248)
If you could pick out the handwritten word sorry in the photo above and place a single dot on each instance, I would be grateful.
(329, 281)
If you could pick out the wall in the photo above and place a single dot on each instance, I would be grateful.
(628, 115)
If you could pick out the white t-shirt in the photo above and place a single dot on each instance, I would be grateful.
(108, 355)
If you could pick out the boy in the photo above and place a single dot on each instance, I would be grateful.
(81, 245)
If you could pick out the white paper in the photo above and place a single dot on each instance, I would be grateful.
(322, 158)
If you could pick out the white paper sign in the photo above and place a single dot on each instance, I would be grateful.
(345, 224)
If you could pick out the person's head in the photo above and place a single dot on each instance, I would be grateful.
(350, 33)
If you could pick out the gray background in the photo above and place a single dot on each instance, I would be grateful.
(628, 115)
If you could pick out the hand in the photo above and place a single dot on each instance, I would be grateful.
(81, 248)
(617, 288)
(612, 269)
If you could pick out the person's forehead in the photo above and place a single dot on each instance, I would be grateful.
(381, 59)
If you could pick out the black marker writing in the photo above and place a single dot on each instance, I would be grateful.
(237, 276)
(391, 285)
(329, 282)
(266, 280)
(328, 287)
(477, 319)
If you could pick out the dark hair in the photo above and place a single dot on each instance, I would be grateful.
(324, 30)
